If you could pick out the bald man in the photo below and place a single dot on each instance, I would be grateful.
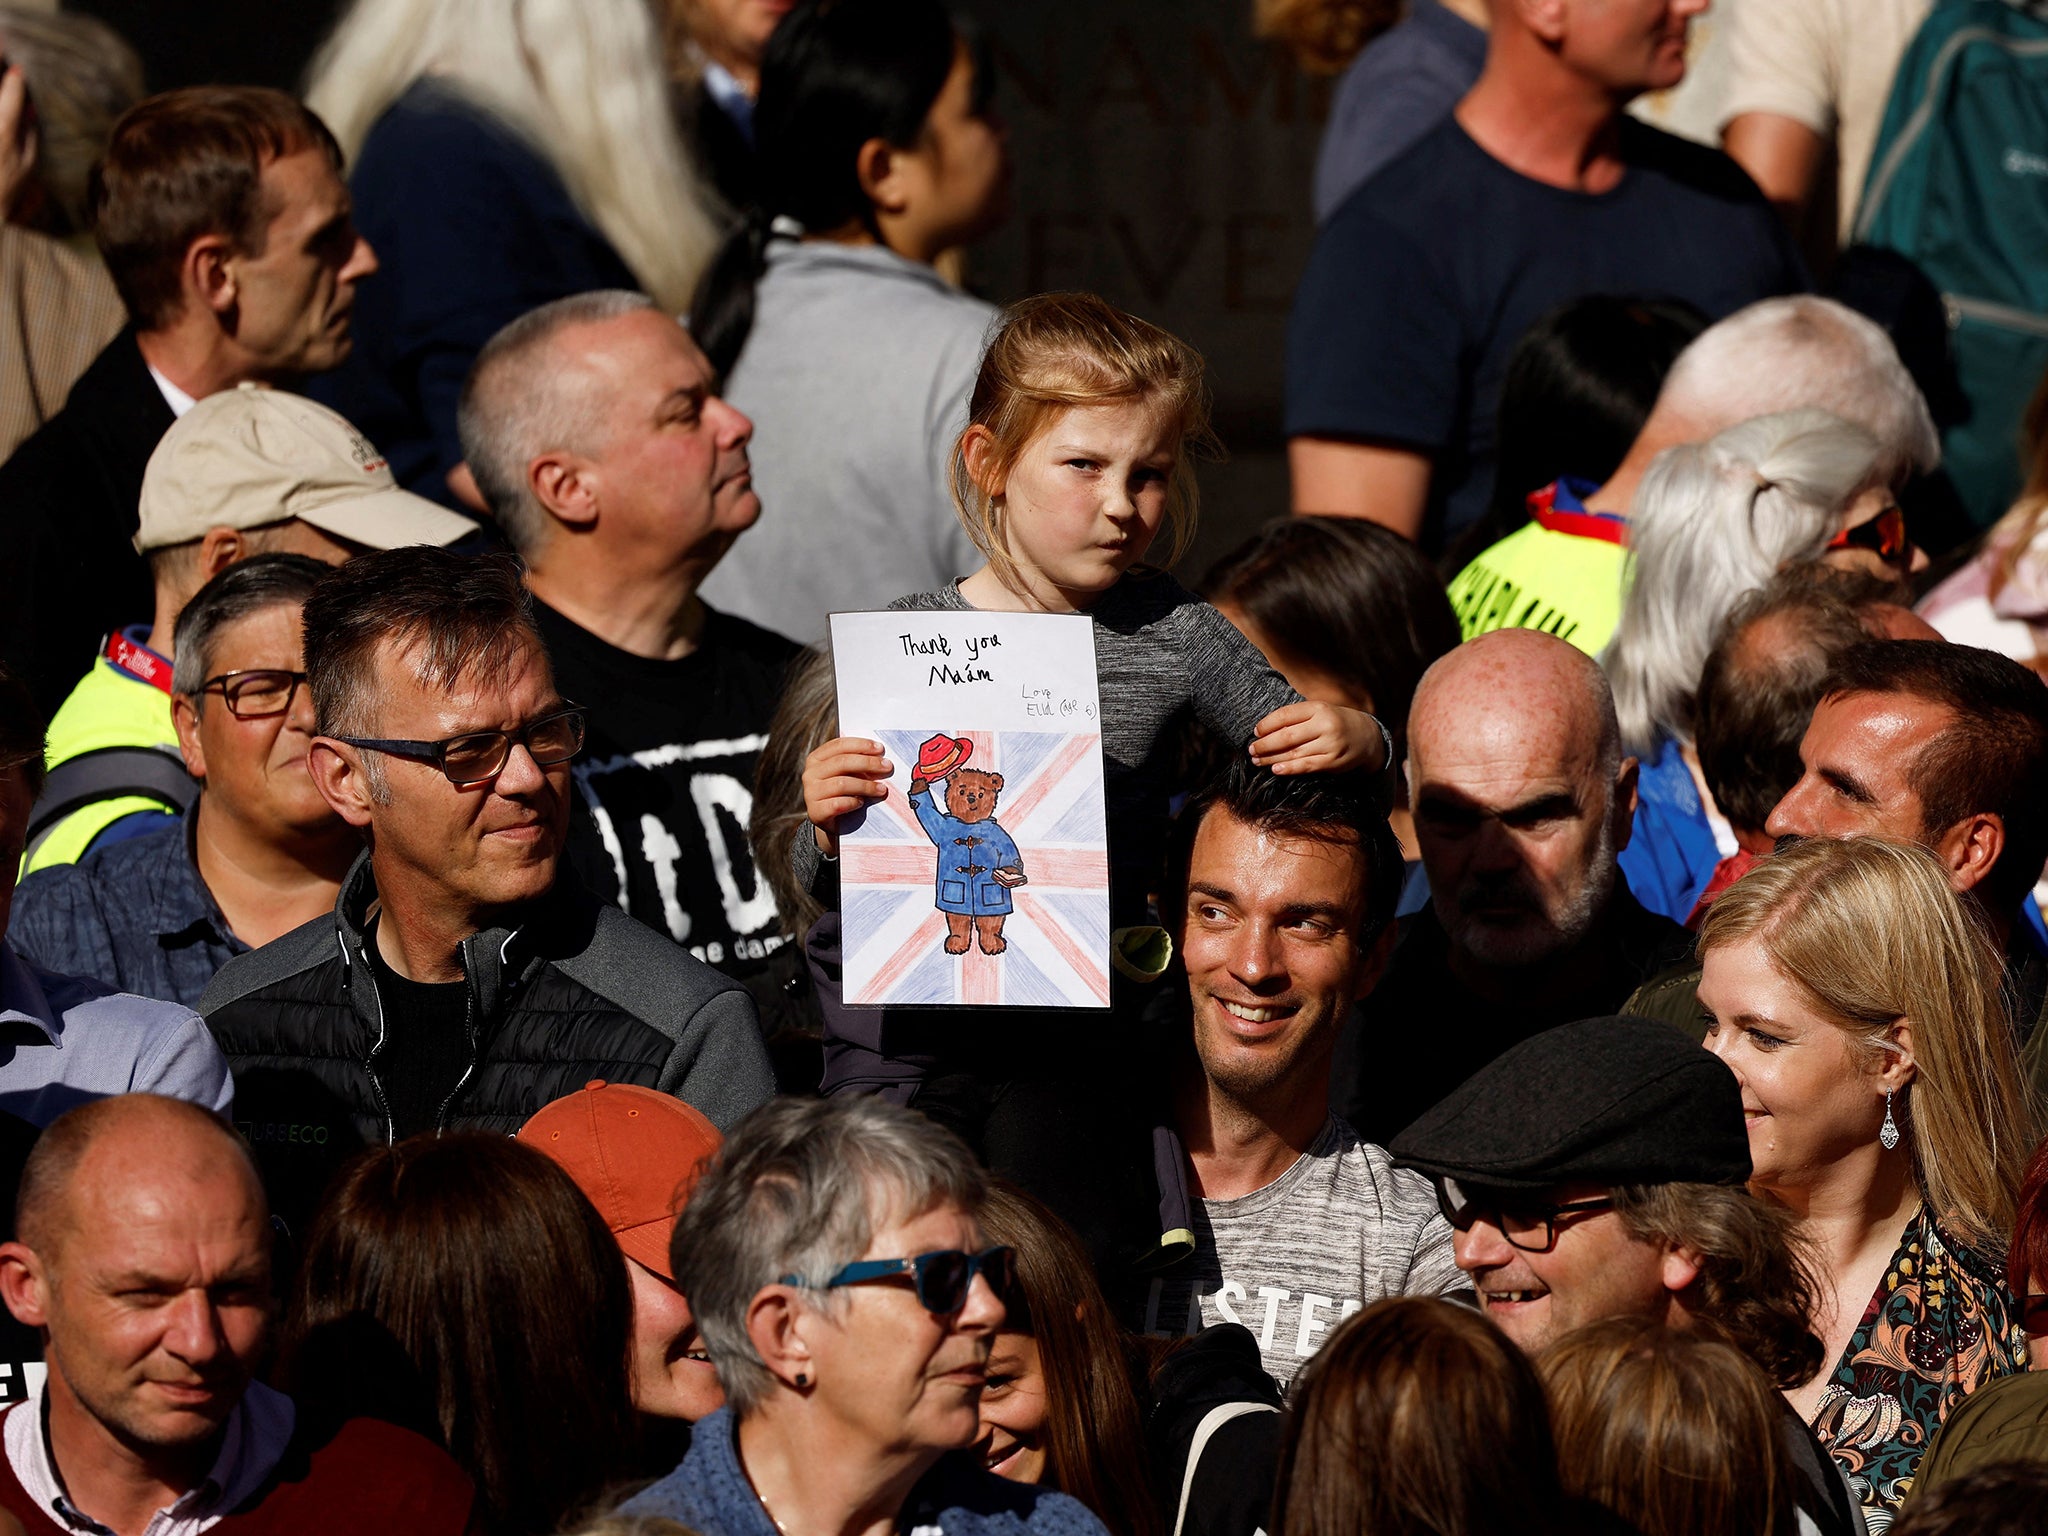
(143, 1257)
(1522, 801)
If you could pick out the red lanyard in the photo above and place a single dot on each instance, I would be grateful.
(139, 662)
(1544, 510)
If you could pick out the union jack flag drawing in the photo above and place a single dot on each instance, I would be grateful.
(1057, 935)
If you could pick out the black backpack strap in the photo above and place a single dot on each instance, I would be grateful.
(112, 773)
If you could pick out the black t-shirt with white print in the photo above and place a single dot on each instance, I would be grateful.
(665, 781)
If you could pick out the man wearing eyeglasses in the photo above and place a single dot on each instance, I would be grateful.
(462, 980)
(1597, 1170)
(243, 472)
(258, 852)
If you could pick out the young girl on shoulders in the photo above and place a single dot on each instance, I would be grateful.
(1074, 461)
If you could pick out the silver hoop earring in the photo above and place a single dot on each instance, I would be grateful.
(1888, 1137)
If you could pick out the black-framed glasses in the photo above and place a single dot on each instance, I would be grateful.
(1526, 1224)
(477, 757)
(256, 693)
(942, 1278)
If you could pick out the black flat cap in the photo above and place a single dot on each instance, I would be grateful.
(1603, 1101)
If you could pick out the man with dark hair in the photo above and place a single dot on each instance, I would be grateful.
(1523, 803)
(459, 981)
(1945, 746)
(224, 220)
(1281, 899)
(70, 1039)
(1761, 682)
(1597, 1170)
(244, 471)
(257, 854)
(143, 1259)
(593, 428)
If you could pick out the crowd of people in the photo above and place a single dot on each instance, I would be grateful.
(1574, 1059)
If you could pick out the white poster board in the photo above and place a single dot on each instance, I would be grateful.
(984, 880)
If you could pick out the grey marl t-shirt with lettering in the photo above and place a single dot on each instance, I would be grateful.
(1340, 1229)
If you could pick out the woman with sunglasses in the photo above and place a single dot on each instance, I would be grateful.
(1712, 523)
(1856, 998)
(847, 1294)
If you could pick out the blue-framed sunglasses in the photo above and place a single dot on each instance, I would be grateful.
(942, 1277)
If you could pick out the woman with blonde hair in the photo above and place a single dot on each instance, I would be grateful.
(504, 153)
(1856, 997)
(1673, 1431)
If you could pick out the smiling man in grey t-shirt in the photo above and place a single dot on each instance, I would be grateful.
(1290, 885)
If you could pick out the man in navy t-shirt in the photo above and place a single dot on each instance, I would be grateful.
(1537, 190)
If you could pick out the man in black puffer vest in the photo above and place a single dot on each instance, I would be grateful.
(461, 981)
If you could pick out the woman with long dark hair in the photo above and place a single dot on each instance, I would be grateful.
(1059, 1409)
(876, 153)
(1157, 1438)
(463, 1285)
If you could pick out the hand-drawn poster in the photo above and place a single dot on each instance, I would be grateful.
(983, 879)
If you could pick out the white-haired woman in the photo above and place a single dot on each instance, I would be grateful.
(1855, 996)
(1711, 523)
(504, 153)
(849, 1298)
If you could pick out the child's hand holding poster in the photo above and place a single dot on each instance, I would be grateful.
(983, 878)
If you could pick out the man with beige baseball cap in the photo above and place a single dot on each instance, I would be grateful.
(243, 472)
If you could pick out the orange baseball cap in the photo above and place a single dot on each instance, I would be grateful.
(636, 1153)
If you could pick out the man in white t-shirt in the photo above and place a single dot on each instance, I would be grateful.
(1808, 84)
(1290, 886)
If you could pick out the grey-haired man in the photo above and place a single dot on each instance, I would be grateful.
(458, 982)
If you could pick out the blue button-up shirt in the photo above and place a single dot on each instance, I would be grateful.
(65, 1040)
(132, 914)
(710, 1493)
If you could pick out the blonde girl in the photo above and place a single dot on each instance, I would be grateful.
(1072, 474)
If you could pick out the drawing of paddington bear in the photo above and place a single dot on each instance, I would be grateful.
(979, 864)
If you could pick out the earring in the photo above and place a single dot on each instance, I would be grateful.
(1888, 1137)
(803, 1381)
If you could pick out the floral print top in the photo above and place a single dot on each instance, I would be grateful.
(1942, 1324)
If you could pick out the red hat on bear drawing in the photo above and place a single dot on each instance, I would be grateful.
(941, 755)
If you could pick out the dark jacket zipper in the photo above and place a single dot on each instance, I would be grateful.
(361, 963)
(469, 1028)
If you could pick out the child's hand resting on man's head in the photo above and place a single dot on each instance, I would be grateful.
(841, 777)
(1317, 738)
